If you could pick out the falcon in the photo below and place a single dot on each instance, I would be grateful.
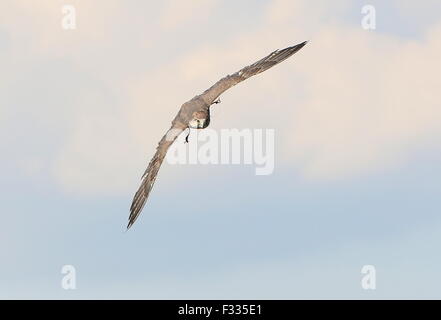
(195, 114)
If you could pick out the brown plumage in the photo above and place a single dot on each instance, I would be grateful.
(196, 114)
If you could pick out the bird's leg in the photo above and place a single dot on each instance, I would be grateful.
(217, 101)
(186, 138)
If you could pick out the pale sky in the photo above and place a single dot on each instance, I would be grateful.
(357, 123)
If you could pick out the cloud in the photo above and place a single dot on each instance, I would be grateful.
(177, 13)
(304, 17)
(351, 102)
(36, 27)
(370, 101)
(97, 151)
(365, 103)
(357, 100)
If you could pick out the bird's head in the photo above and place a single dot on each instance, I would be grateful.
(200, 120)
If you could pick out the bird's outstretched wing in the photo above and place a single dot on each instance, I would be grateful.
(149, 176)
(211, 94)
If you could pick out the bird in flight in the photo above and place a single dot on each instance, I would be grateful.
(195, 114)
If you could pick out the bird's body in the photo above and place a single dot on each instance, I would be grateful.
(195, 114)
(195, 109)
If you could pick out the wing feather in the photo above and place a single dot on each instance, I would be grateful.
(150, 174)
(211, 94)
